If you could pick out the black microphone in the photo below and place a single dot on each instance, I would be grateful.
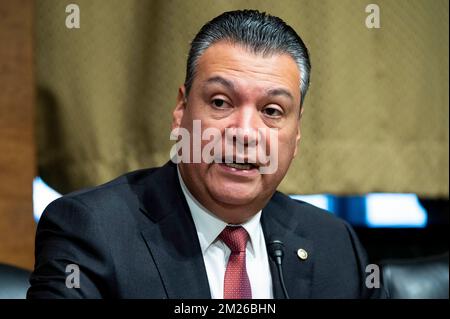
(276, 251)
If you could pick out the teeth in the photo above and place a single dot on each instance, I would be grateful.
(239, 166)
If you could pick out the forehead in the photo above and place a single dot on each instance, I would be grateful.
(247, 69)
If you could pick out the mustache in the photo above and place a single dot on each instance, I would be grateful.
(248, 155)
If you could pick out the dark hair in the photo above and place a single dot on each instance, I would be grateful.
(256, 31)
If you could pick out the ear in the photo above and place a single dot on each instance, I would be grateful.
(299, 134)
(178, 112)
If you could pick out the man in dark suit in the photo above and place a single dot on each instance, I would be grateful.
(210, 228)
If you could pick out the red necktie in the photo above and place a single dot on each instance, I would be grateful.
(236, 282)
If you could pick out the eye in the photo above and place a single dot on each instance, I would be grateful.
(219, 103)
(272, 112)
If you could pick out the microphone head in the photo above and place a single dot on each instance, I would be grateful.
(276, 248)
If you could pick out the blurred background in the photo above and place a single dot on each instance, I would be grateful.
(81, 105)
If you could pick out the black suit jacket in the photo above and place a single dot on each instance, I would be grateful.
(134, 237)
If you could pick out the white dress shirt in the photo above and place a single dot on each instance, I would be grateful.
(216, 253)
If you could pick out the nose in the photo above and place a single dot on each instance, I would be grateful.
(244, 126)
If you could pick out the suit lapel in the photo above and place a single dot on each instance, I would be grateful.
(171, 237)
(278, 223)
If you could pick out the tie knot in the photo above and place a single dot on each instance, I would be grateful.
(235, 237)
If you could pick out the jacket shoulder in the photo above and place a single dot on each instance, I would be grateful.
(121, 190)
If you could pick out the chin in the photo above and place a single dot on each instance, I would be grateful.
(236, 196)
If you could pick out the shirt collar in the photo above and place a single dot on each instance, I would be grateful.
(209, 226)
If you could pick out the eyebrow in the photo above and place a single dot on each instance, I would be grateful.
(220, 80)
(283, 92)
(271, 92)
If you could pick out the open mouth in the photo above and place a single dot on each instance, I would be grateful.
(241, 166)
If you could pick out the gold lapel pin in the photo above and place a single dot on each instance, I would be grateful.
(302, 254)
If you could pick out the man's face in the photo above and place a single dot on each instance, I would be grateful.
(234, 88)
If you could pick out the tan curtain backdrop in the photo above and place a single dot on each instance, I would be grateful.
(376, 117)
